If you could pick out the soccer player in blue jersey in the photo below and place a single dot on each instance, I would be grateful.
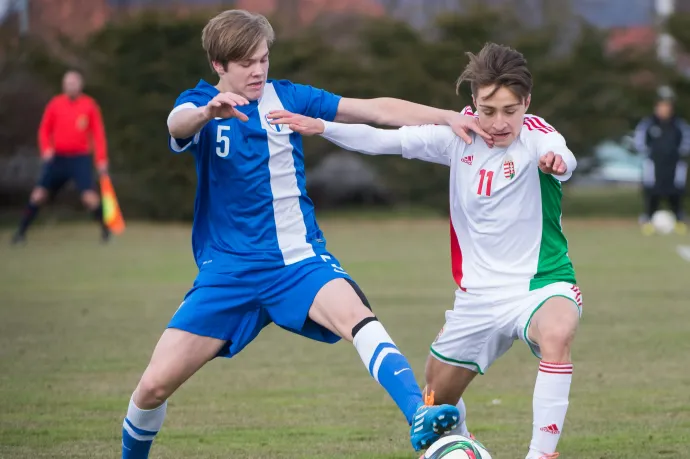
(261, 255)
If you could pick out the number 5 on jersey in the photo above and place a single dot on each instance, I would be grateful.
(485, 177)
(223, 140)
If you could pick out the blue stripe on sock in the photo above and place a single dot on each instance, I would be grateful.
(378, 350)
(140, 431)
(133, 448)
(402, 387)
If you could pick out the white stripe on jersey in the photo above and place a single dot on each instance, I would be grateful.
(289, 219)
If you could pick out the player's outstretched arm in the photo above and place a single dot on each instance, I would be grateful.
(388, 111)
(427, 143)
(551, 151)
(186, 120)
(354, 137)
(560, 163)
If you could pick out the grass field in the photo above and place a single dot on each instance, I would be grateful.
(78, 322)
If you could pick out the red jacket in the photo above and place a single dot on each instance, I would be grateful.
(73, 127)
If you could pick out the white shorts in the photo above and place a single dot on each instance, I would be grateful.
(482, 327)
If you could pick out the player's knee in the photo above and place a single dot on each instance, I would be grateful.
(38, 196)
(446, 381)
(351, 319)
(556, 324)
(557, 337)
(434, 380)
(89, 199)
(151, 393)
(338, 307)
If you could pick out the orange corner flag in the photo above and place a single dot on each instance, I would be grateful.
(112, 216)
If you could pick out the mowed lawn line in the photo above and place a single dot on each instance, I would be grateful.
(80, 320)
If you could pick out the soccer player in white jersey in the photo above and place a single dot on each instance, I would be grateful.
(509, 255)
(261, 256)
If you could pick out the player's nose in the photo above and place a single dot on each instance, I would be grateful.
(500, 126)
(257, 71)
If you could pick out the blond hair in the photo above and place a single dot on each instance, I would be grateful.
(234, 35)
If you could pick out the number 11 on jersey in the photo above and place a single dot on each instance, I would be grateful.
(489, 176)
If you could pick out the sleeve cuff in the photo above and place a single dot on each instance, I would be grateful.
(571, 163)
(180, 145)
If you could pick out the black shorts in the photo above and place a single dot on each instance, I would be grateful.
(61, 169)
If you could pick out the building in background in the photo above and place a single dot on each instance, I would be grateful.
(77, 18)
(50, 18)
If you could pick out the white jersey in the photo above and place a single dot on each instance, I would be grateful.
(505, 213)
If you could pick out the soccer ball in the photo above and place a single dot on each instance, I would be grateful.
(456, 447)
(663, 221)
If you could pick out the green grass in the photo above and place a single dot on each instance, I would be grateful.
(78, 322)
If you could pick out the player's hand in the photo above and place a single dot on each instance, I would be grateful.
(552, 163)
(301, 124)
(462, 125)
(102, 169)
(48, 155)
(223, 106)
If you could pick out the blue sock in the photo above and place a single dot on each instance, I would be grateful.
(138, 430)
(388, 366)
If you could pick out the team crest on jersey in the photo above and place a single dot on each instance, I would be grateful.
(82, 122)
(508, 168)
(275, 127)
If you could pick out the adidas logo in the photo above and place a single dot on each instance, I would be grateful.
(467, 159)
(552, 429)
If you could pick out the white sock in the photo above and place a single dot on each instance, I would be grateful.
(550, 404)
(143, 425)
(461, 429)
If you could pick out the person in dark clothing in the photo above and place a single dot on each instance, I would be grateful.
(664, 140)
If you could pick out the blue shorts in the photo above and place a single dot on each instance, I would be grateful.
(61, 169)
(235, 306)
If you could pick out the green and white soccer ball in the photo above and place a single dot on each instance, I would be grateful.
(663, 221)
(456, 447)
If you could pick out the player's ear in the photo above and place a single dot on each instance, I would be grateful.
(218, 67)
(474, 102)
(527, 101)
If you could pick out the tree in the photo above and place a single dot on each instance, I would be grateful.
(136, 68)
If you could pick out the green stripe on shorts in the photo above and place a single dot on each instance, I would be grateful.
(457, 362)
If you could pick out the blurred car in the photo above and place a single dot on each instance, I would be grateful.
(612, 162)
(345, 178)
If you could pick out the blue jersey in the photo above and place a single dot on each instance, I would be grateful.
(251, 209)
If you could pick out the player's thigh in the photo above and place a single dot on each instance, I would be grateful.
(476, 333)
(338, 308)
(54, 175)
(553, 314)
(218, 317)
(81, 172)
(224, 306)
(176, 357)
(447, 381)
(316, 298)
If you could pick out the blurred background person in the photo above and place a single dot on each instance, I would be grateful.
(71, 128)
(664, 139)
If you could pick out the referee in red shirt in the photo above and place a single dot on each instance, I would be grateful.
(70, 129)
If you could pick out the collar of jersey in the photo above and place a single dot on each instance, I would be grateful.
(212, 91)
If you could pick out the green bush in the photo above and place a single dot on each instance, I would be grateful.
(136, 69)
